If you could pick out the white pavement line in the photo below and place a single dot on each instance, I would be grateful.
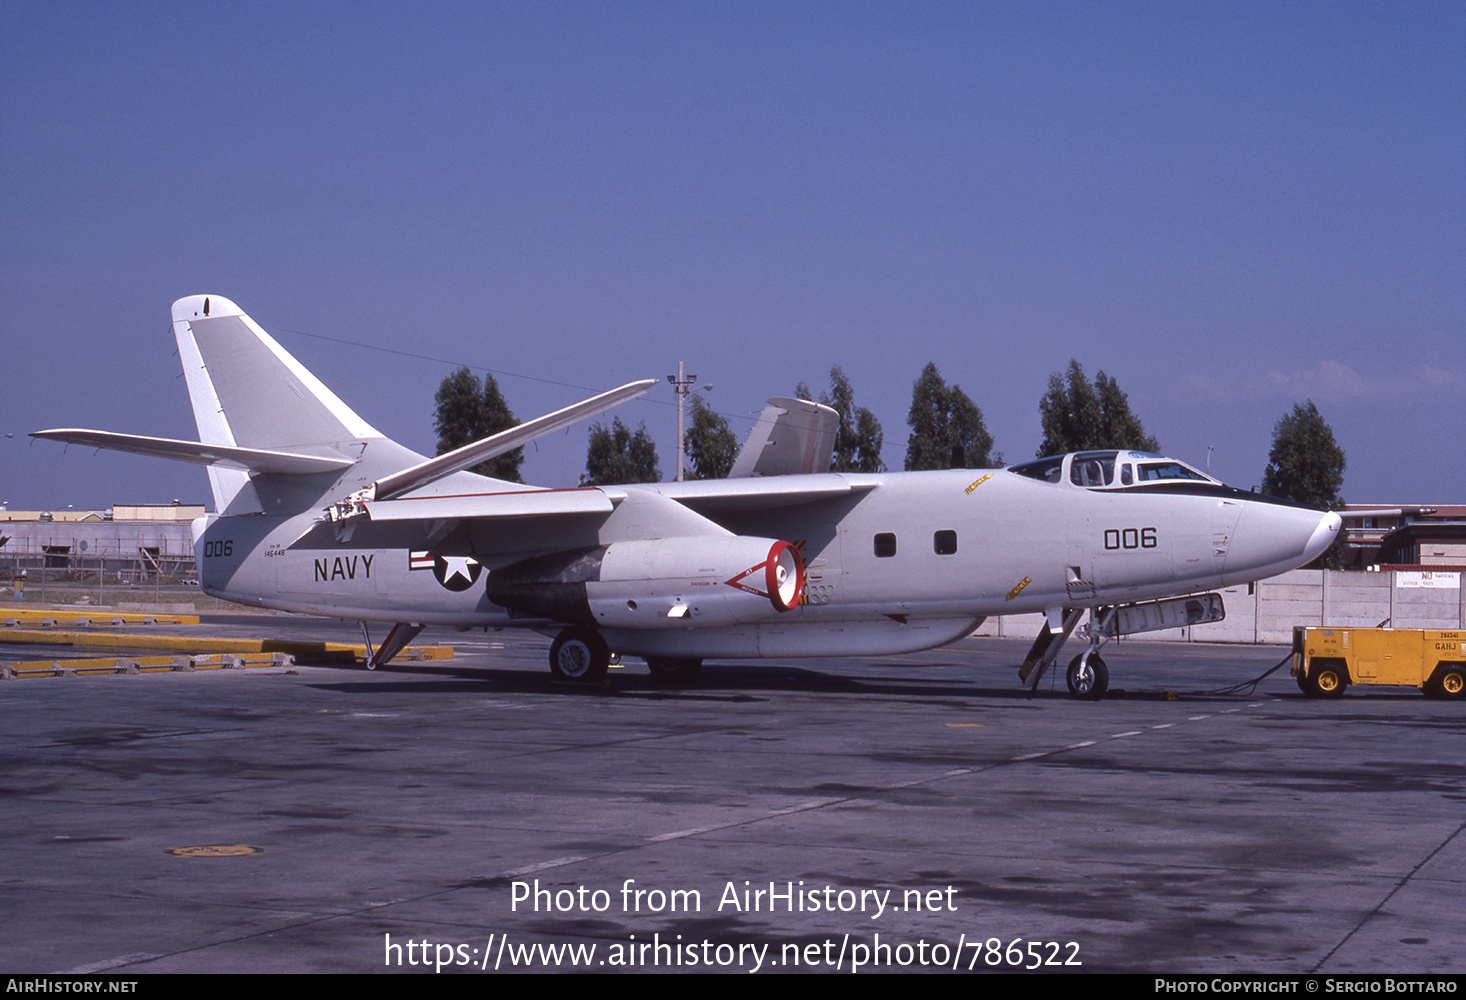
(569, 859)
(822, 803)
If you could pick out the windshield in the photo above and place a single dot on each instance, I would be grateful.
(1152, 471)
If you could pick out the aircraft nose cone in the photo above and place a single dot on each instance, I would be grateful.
(1323, 536)
(1274, 538)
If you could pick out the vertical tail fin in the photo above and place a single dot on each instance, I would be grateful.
(248, 391)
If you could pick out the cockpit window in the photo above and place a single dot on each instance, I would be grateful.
(1093, 469)
(1152, 471)
(1046, 470)
(1109, 469)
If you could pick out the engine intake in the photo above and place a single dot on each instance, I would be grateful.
(659, 583)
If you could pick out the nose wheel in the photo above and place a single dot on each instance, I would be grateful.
(1088, 677)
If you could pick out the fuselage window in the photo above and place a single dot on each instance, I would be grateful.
(885, 545)
(944, 543)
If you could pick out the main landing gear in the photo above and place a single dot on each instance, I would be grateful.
(673, 672)
(579, 654)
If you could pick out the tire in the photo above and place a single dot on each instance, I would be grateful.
(1448, 682)
(1327, 679)
(1095, 681)
(579, 655)
(673, 672)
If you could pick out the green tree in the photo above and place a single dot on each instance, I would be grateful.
(616, 455)
(468, 410)
(710, 444)
(947, 428)
(858, 435)
(1306, 464)
(1078, 416)
(868, 450)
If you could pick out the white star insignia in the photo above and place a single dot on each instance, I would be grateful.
(458, 566)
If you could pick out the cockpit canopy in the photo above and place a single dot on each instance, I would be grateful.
(1109, 469)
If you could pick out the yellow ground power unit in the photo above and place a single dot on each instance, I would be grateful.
(1328, 660)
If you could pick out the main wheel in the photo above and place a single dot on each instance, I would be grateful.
(579, 654)
(1088, 680)
(1327, 679)
(1448, 681)
(673, 671)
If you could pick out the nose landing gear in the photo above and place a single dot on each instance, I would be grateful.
(1088, 677)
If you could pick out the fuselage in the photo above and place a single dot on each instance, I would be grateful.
(898, 562)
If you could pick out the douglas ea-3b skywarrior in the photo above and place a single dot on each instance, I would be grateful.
(318, 512)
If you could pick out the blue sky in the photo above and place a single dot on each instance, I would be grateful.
(1229, 207)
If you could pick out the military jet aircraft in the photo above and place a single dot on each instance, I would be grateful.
(318, 512)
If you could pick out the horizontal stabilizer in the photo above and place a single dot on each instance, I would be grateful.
(494, 445)
(251, 459)
(792, 437)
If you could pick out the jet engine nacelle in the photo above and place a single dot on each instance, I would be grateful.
(659, 583)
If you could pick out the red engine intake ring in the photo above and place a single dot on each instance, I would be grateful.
(784, 576)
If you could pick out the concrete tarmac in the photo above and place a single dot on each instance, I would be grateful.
(917, 812)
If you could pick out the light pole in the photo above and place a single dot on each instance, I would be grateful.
(682, 385)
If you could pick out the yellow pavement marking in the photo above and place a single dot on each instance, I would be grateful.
(16, 617)
(210, 644)
(214, 851)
